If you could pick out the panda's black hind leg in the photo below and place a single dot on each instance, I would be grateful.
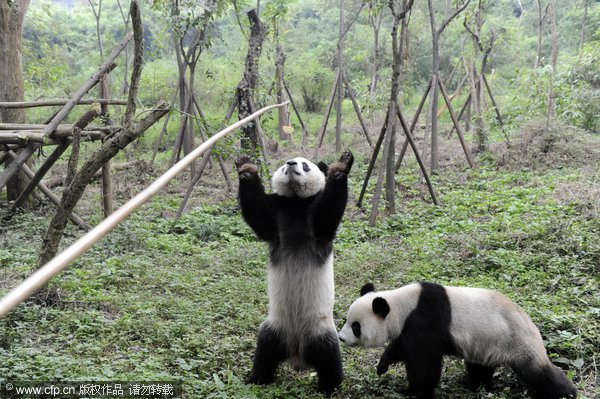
(270, 351)
(479, 376)
(323, 353)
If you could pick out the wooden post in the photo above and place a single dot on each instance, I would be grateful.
(372, 162)
(409, 138)
(327, 113)
(304, 130)
(340, 86)
(357, 108)
(50, 195)
(456, 125)
(24, 155)
(413, 124)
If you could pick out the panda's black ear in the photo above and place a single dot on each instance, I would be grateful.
(381, 307)
(323, 167)
(369, 287)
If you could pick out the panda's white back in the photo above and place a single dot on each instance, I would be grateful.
(490, 329)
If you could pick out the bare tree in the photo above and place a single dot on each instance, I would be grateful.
(540, 33)
(582, 29)
(436, 32)
(247, 86)
(553, 60)
(12, 15)
(375, 18)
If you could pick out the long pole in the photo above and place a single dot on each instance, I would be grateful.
(41, 277)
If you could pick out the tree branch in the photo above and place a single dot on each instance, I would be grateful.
(453, 15)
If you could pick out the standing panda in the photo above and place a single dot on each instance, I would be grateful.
(299, 221)
(425, 321)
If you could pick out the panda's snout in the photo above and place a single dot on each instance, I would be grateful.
(291, 162)
(341, 339)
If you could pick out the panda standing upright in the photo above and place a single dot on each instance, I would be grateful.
(299, 220)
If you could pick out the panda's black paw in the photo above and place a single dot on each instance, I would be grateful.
(382, 368)
(342, 167)
(259, 380)
(245, 167)
(347, 159)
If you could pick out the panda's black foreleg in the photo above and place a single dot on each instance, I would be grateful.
(270, 351)
(478, 375)
(323, 353)
(423, 372)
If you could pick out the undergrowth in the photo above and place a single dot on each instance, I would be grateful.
(158, 300)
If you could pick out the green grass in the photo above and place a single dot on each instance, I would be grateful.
(162, 301)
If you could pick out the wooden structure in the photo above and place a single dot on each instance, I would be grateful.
(19, 142)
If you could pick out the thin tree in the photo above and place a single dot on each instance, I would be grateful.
(12, 15)
(436, 32)
(247, 86)
(541, 17)
(387, 168)
(375, 18)
(104, 94)
(553, 61)
(583, 27)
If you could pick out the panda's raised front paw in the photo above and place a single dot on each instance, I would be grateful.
(343, 166)
(245, 167)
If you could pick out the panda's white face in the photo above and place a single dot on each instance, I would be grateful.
(298, 177)
(363, 326)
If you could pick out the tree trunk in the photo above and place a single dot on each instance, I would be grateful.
(553, 60)
(375, 21)
(247, 86)
(540, 33)
(11, 75)
(435, 68)
(340, 85)
(582, 29)
(283, 114)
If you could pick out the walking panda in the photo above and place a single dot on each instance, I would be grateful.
(299, 221)
(424, 321)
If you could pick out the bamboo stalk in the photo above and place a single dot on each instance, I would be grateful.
(41, 277)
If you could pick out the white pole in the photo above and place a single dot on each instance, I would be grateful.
(41, 277)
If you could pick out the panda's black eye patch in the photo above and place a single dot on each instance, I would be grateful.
(356, 329)
(305, 167)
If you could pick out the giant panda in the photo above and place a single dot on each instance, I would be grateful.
(424, 321)
(299, 221)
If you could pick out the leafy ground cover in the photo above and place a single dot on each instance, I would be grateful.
(158, 300)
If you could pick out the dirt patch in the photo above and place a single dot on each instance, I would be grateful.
(539, 147)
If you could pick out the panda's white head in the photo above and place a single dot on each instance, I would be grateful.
(365, 323)
(299, 177)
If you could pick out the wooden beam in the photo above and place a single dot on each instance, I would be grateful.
(24, 137)
(62, 130)
(356, 108)
(456, 125)
(50, 195)
(24, 155)
(52, 103)
(409, 138)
